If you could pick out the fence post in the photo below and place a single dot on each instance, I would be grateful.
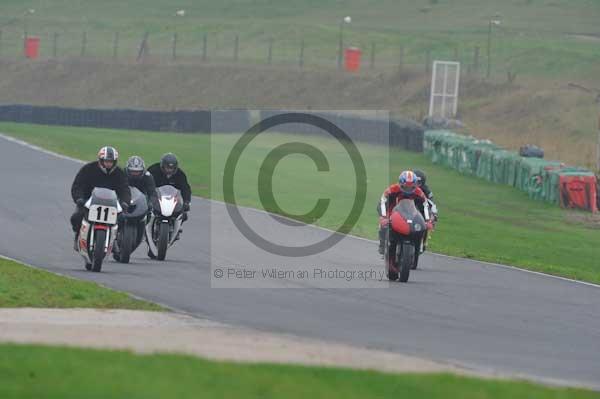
(428, 62)
(143, 47)
(598, 146)
(301, 61)
(0, 41)
(372, 64)
(204, 47)
(116, 45)
(270, 54)
(236, 45)
(54, 44)
(476, 59)
(174, 47)
(83, 43)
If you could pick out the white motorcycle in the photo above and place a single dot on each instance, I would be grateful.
(98, 228)
(164, 225)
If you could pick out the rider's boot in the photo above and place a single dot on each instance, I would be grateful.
(178, 234)
(381, 241)
(115, 251)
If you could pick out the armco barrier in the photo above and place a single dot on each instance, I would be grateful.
(403, 133)
(173, 121)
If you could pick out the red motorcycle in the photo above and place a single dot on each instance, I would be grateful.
(405, 239)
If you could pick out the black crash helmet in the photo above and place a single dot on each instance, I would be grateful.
(169, 164)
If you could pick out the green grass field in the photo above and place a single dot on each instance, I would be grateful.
(22, 286)
(37, 371)
(535, 36)
(478, 219)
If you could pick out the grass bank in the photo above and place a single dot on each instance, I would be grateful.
(23, 286)
(49, 372)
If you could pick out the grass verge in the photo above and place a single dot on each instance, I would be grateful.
(22, 286)
(479, 219)
(53, 372)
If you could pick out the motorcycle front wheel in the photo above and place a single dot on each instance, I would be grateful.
(128, 237)
(98, 253)
(163, 240)
(407, 260)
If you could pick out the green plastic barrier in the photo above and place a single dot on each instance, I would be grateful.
(537, 177)
(503, 162)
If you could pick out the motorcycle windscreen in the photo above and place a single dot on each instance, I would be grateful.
(407, 219)
(139, 202)
(167, 191)
(104, 196)
(170, 192)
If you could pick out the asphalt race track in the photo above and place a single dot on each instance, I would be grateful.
(460, 311)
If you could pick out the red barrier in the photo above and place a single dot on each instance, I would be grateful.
(32, 47)
(578, 192)
(352, 59)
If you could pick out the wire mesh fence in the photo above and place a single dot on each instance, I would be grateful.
(229, 47)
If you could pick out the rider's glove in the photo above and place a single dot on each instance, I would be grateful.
(125, 206)
(430, 225)
(186, 206)
(80, 202)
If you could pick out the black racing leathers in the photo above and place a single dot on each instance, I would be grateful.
(427, 191)
(144, 183)
(91, 176)
(177, 180)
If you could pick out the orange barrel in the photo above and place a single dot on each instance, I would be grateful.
(32, 47)
(352, 59)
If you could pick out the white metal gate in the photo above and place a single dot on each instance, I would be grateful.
(443, 100)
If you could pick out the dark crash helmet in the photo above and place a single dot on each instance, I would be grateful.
(169, 164)
(107, 159)
(421, 175)
(135, 168)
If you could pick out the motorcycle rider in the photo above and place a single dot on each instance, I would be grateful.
(406, 188)
(104, 173)
(422, 182)
(140, 178)
(168, 172)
